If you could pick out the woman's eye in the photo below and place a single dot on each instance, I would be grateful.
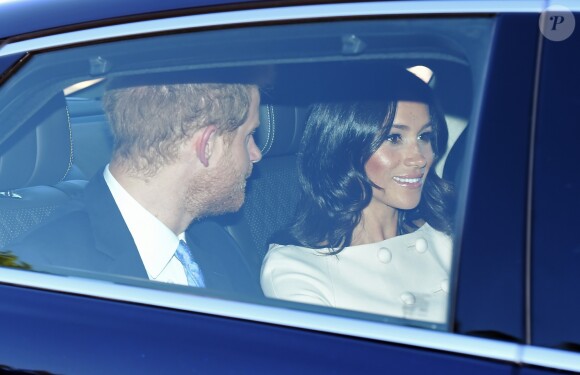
(394, 138)
(426, 137)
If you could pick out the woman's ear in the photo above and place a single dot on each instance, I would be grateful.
(205, 144)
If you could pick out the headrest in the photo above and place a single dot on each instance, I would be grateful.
(280, 129)
(40, 151)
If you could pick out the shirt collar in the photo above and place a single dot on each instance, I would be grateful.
(155, 242)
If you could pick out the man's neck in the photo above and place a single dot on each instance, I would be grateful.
(158, 194)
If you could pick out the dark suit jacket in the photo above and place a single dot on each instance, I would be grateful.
(90, 234)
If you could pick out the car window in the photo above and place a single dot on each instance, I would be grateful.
(415, 81)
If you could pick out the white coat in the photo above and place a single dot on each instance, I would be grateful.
(405, 276)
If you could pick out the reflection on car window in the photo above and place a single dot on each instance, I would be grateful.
(312, 166)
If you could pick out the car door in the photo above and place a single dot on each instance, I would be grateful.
(485, 61)
(554, 248)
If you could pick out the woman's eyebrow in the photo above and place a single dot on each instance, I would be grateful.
(427, 125)
(400, 126)
(406, 127)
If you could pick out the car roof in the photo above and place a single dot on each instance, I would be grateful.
(23, 19)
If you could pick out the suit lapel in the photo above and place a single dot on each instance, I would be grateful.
(219, 257)
(111, 235)
(215, 275)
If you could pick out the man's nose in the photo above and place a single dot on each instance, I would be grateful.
(255, 153)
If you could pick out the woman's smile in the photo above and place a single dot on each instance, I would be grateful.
(409, 182)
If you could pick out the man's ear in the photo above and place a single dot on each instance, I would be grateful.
(204, 146)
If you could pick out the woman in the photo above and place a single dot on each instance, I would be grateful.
(372, 230)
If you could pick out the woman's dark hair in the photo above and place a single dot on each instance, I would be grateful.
(339, 139)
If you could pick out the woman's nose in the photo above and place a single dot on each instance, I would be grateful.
(416, 157)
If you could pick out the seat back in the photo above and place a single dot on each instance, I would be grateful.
(34, 164)
(273, 190)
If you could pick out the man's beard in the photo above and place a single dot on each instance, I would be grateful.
(219, 191)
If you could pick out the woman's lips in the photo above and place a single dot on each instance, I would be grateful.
(410, 182)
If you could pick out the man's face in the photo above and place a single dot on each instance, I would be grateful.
(226, 183)
(243, 152)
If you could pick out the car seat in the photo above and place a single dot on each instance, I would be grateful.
(273, 189)
(37, 174)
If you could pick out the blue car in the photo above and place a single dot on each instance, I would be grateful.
(505, 76)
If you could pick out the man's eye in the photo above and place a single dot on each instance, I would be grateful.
(394, 138)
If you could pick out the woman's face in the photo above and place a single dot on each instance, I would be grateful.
(402, 162)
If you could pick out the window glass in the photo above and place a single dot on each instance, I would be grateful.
(349, 206)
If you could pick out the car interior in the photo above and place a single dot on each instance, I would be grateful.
(71, 141)
(48, 154)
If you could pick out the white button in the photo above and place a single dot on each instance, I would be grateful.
(408, 298)
(421, 245)
(445, 285)
(385, 255)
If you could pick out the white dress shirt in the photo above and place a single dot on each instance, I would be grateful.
(156, 243)
(405, 276)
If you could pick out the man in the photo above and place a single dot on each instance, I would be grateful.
(181, 152)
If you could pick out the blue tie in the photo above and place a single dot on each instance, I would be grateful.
(192, 271)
